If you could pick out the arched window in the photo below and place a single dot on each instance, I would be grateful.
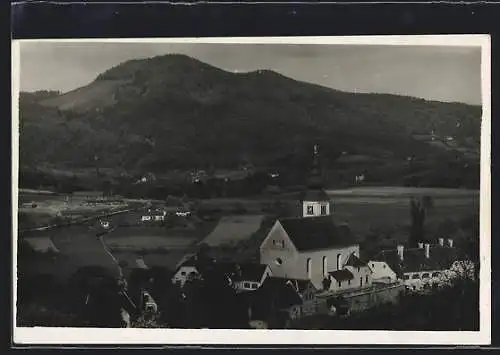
(325, 266)
(339, 261)
(309, 267)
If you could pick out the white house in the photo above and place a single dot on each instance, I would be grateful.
(154, 215)
(241, 276)
(248, 276)
(382, 272)
(422, 267)
(184, 271)
(354, 274)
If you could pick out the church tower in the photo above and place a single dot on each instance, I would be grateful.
(315, 201)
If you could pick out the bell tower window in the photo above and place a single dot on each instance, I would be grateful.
(310, 210)
(323, 210)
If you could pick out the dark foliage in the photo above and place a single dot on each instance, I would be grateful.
(173, 112)
(419, 207)
(450, 309)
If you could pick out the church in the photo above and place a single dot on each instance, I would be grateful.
(312, 246)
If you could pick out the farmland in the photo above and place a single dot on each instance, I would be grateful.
(41, 208)
(383, 210)
(232, 229)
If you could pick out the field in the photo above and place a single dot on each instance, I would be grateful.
(368, 208)
(365, 209)
(40, 208)
(78, 247)
(232, 229)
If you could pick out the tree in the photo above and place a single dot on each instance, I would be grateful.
(418, 209)
(95, 296)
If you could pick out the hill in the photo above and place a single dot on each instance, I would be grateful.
(175, 112)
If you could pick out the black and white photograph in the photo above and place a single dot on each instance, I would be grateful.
(240, 190)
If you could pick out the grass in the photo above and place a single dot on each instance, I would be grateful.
(78, 247)
(365, 210)
(232, 229)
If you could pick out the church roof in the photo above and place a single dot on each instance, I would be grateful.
(314, 195)
(315, 233)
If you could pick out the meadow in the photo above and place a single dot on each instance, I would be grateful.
(382, 211)
(233, 229)
(370, 209)
(78, 247)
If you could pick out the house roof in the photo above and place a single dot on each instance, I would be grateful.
(298, 284)
(354, 261)
(414, 259)
(236, 271)
(252, 272)
(341, 275)
(281, 290)
(314, 233)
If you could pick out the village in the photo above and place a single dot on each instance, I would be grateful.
(301, 266)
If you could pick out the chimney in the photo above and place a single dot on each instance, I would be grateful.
(450, 243)
(441, 241)
(401, 249)
(427, 250)
(420, 245)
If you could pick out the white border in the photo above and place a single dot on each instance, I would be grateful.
(289, 337)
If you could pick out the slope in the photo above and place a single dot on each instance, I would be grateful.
(173, 111)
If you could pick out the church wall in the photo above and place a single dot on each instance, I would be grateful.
(276, 246)
(317, 276)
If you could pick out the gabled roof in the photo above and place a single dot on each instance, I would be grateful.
(414, 259)
(280, 290)
(315, 233)
(252, 272)
(354, 261)
(299, 284)
(314, 194)
(236, 271)
(341, 275)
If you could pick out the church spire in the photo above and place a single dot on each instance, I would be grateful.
(315, 201)
(315, 178)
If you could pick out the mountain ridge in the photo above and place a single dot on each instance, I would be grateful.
(169, 112)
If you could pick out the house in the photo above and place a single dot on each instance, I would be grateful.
(277, 297)
(149, 177)
(353, 274)
(422, 267)
(153, 214)
(382, 272)
(248, 276)
(188, 269)
(243, 277)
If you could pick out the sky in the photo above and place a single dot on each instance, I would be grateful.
(442, 73)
